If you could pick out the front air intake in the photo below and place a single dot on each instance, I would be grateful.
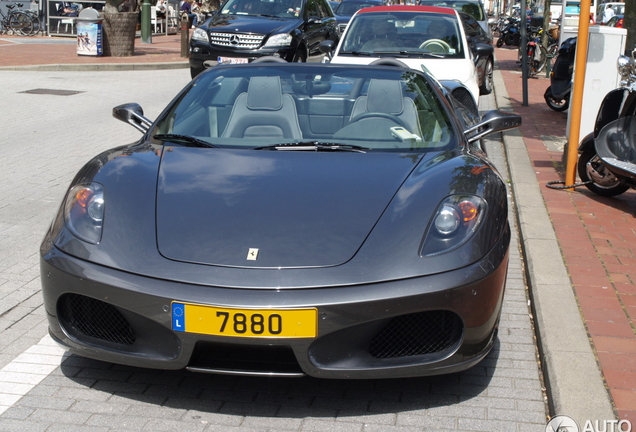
(416, 334)
(94, 318)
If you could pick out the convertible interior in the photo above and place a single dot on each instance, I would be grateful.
(276, 108)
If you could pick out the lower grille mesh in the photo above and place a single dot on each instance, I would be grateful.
(418, 333)
(96, 319)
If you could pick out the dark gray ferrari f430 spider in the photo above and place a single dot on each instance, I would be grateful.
(336, 221)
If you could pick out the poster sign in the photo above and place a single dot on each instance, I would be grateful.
(89, 38)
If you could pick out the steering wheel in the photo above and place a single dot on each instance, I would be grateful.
(437, 45)
(387, 116)
(269, 59)
(389, 61)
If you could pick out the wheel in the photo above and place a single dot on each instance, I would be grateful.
(194, 71)
(487, 86)
(391, 117)
(553, 52)
(591, 168)
(36, 23)
(532, 63)
(20, 23)
(554, 103)
(300, 56)
(542, 60)
(24, 25)
(509, 40)
(436, 46)
(500, 42)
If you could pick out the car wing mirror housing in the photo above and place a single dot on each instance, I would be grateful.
(327, 47)
(483, 49)
(493, 121)
(132, 114)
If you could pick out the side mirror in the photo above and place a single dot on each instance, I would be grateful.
(327, 47)
(482, 49)
(493, 121)
(132, 114)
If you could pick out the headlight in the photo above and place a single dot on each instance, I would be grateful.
(455, 221)
(200, 35)
(624, 65)
(279, 40)
(84, 212)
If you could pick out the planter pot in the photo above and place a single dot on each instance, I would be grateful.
(119, 33)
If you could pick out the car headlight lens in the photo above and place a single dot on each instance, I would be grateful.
(84, 212)
(447, 220)
(455, 221)
(284, 39)
(200, 35)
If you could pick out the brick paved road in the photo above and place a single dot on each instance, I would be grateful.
(44, 139)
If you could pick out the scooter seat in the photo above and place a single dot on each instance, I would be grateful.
(616, 145)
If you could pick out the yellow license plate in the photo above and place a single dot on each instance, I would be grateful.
(265, 323)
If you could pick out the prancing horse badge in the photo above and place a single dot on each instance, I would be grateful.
(252, 254)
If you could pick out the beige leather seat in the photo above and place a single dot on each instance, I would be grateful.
(263, 111)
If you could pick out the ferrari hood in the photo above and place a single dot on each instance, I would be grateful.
(272, 209)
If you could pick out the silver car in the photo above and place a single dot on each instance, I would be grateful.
(474, 8)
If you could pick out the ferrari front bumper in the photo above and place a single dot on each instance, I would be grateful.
(428, 325)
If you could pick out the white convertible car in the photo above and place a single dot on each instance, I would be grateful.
(442, 41)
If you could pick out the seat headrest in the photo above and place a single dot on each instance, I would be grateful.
(265, 93)
(385, 96)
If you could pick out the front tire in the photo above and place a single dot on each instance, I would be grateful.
(486, 87)
(194, 71)
(605, 183)
(500, 42)
(555, 103)
(300, 56)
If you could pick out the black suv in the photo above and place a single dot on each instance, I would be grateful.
(244, 30)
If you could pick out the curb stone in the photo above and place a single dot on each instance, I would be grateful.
(573, 378)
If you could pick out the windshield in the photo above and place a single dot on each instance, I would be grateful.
(470, 7)
(309, 107)
(273, 8)
(405, 33)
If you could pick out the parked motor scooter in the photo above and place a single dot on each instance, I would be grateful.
(557, 96)
(511, 34)
(607, 161)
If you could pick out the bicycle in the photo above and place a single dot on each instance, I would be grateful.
(538, 54)
(34, 17)
(16, 22)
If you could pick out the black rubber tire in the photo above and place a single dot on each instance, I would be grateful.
(194, 71)
(500, 42)
(486, 87)
(300, 56)
(556, 104)
(616, 188)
